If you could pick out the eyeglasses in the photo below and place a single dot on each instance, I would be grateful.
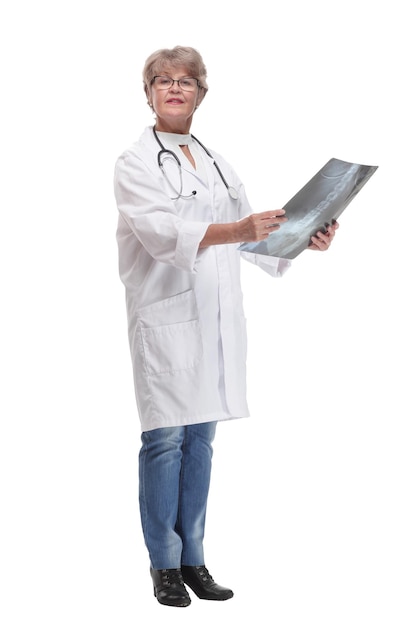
(165, 82)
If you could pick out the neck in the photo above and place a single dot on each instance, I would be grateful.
(175, 127)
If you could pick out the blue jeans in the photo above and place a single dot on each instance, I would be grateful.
(174, 480)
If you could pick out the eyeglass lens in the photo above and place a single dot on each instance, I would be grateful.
(165, 82)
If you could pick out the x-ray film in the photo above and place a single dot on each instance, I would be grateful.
(320, 201)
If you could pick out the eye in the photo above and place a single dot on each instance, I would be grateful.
(165, 81)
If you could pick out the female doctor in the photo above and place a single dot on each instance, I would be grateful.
(182, 214)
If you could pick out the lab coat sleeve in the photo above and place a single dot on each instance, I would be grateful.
(152, 217)
(274, 266)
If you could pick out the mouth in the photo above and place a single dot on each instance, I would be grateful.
(175, 101)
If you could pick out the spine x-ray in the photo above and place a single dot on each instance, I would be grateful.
(318, 203)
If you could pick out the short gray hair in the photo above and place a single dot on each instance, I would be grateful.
(159, 60)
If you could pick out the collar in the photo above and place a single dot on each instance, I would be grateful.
(174, 139)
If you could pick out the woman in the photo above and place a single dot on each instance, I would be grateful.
(182, 213)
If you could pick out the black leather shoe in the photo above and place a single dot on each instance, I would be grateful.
(203, 585)
(168, 587)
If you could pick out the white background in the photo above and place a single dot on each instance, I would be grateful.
(312, 512)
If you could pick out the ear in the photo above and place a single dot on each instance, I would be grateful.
(201, 95)
(148, 96)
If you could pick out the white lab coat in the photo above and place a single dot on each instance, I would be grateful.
(186, 325)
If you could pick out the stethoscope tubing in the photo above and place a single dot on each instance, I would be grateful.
(231, 190)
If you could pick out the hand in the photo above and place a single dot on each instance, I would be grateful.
(258, 226)
(321, 241)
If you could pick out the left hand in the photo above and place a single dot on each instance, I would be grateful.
(321, 241)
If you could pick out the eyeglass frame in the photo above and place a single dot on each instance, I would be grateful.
(176, 80)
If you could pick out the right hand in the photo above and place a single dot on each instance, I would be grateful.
(258, 226)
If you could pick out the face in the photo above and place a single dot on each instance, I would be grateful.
(174, 107)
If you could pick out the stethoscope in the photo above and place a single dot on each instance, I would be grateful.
(164, 154)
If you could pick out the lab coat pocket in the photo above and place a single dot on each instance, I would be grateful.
(170, 334)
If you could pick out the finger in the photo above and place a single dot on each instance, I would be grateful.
(320, 236)
(326, 235)
(331, 231)
(320, 241)
(272, 214)
(277, 221)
